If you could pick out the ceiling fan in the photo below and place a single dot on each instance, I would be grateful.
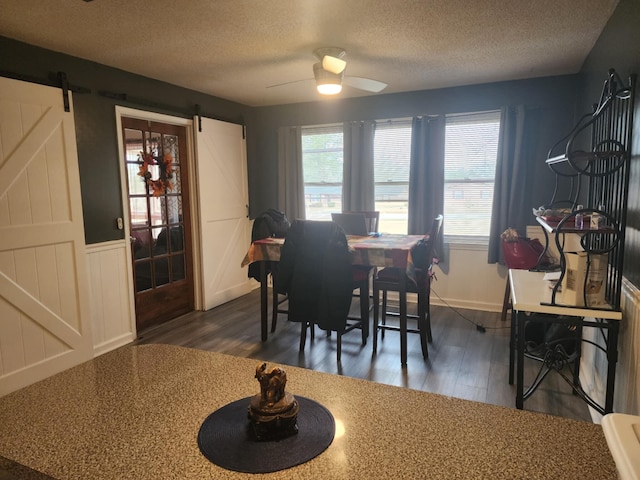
(329, 74)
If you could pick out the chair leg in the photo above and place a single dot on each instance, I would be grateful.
(383, 312)
(364, 310)
(339, 346)
(403, 325)
(428, 309)
(274, 301)
(423, 327)
(376, 309)
(303, 334)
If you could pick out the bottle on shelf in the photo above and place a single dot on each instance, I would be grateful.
(579, 218)
(597, 220)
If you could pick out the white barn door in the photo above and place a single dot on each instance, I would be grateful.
(223, 198)
(45, 324)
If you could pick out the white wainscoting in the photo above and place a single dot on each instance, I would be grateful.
(112, 309)
(466, 280)
(593, 366)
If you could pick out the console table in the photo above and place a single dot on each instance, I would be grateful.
(531, 295)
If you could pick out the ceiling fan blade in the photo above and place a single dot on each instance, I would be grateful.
(333, 64)
(289, 83)
(367, 84)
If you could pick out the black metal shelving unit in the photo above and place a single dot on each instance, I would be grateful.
(596, 155)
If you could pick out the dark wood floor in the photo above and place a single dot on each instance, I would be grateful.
(463, 361)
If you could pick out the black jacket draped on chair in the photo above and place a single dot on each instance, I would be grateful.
(315, 272)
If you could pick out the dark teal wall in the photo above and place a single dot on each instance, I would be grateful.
(555, 98)
(96, 124)
(619, 47)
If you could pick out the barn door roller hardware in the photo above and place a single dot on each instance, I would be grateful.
(55, 80)
(199, 115)
(64, 85)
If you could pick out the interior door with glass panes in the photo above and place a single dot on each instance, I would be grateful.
(160, 222)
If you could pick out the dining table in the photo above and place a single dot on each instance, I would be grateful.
(379, 250)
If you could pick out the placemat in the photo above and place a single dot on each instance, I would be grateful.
(224, 438)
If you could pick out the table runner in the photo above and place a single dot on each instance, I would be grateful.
(387, 250)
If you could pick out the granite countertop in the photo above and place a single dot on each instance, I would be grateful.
(136, 412)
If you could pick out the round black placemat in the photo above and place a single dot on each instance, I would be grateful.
(224, 439)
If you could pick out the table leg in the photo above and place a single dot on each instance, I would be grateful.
(520, 360)
(403, 320)
(512, 345)
(576, 363)
(612, 359)
(364, 310)
(264, 302)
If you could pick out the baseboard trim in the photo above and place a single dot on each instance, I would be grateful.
(485, 307)
(113, 343)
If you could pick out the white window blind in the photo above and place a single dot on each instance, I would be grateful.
(471, 148)
(392, 152)
(322, 160)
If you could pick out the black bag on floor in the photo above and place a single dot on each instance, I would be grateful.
(543, 336)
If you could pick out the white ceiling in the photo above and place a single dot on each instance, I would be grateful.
(235, 49)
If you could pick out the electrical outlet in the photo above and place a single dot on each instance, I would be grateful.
(120, 223)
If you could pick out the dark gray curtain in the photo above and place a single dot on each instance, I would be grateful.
(358, 188)
(512, 189)
(290, 179)
(426, 175)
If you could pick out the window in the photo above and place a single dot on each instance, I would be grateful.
(322, 159)
(471, 148)
(391, 153)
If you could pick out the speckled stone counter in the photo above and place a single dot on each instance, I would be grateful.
(135, 413)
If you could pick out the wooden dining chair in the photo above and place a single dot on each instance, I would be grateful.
(277, 300)
(372, 219)
(363, 274)
(396, 280)
(270, 223)
(315, 273)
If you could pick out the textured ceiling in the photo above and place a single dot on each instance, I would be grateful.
(235, 49)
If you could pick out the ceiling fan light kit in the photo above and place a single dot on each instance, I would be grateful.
(331, 58)
(329, 73)
(333, 64)
(327, 83)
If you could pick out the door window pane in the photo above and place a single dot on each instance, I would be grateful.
(174, 209)
(174, 180)
(141, 244)
(170, 143)
(161, 274)
(137, 185)
(138, 212)
(143, 276)
(177, 267)
(160, 241)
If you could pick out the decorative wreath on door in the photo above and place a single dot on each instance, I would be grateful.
(159, 185)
